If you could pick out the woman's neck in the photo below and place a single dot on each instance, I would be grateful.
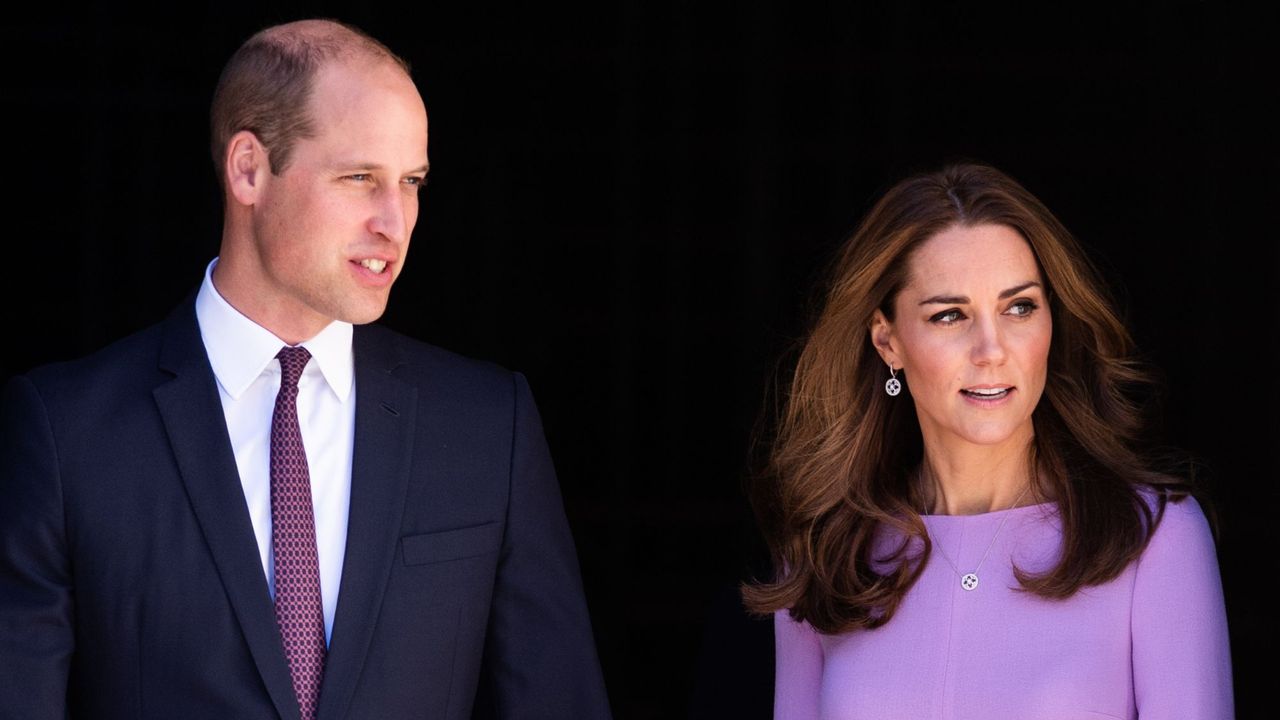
(972, 480)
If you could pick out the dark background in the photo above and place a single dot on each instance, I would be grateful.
(631, 202)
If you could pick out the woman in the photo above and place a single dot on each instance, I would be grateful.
(991, 543)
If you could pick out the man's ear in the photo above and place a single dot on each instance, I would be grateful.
(882, 338)
(246, 167)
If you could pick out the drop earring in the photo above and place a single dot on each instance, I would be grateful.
(892, 386)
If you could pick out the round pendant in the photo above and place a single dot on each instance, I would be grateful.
(892, 386)
(969, 581)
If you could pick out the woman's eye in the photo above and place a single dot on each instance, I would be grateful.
(1022, 308)
(947, 317)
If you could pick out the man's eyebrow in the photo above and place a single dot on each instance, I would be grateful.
(964, 300)
(357, 166)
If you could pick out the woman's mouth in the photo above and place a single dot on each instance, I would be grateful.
(994, 393)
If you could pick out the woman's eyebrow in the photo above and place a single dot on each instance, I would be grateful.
(964, 299)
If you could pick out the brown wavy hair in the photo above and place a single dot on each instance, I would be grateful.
(843, 454)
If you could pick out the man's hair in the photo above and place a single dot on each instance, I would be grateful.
(266, 86)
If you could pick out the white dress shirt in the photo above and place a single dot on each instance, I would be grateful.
(243, 356)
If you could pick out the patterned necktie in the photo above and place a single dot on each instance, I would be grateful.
(299, 611)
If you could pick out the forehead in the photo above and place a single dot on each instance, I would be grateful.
(967, 260)
(363, 103)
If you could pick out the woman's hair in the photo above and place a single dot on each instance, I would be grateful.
(844, 453)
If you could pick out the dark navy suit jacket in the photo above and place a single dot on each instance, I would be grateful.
(130, 580)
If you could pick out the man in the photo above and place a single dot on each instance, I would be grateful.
(257, 510)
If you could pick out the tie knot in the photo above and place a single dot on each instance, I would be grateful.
(292, 361)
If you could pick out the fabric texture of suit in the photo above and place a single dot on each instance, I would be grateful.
(130, 580)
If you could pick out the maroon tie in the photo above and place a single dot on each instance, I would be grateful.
(299, 611)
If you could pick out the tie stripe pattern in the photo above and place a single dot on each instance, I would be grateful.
(299, 610)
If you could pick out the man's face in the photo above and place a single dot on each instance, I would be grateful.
(332, 230)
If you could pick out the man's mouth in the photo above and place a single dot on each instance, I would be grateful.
(374, 265)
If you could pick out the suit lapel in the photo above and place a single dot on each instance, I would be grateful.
(193, 417)
(385, 418)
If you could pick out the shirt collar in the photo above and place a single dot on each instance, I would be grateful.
(239, 349)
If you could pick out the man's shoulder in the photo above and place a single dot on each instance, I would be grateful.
(101, 389)
(426, 365)
(120, 364)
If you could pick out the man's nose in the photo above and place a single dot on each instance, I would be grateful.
(391, 214)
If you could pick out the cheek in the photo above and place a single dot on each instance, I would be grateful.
(932, 360)
(290, 216)
(411, 212)
(1035, 350)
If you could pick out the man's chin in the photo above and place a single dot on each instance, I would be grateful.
(364, 315)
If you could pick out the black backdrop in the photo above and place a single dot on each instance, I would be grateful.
(630, 202)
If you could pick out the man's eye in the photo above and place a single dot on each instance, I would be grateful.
(359, 177)
(417, 182)
(947, 317)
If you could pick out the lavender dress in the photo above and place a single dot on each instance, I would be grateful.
(1152, 643)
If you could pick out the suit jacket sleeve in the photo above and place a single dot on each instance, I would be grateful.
(540, 659)
(36, 613)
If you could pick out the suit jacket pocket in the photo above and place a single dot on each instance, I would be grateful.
(451, 544)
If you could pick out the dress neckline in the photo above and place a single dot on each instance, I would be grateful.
(996, 514)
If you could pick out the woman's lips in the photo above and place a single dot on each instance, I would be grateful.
(988, 395)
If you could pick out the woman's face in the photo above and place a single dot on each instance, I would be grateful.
(971, 332)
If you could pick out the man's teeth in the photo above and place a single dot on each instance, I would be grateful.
(374, 265)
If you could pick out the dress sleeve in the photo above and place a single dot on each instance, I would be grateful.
(1181, 658)
(798, 669)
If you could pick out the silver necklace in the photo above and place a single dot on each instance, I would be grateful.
(969, 580)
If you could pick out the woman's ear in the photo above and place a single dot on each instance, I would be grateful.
(883, 339)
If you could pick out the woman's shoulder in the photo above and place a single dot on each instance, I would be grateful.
(1182, 535)
(1175, 513)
